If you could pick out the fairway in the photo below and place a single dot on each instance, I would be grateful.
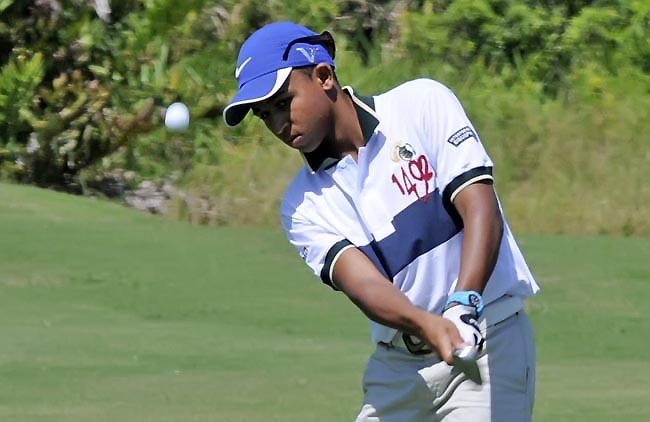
(108, 314)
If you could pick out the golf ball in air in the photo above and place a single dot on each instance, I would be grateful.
(177, 117)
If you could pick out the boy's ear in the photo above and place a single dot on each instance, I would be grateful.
(325, 75)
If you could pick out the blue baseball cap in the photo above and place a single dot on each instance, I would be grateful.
(266, 59)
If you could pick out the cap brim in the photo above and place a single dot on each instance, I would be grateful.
(258, 89)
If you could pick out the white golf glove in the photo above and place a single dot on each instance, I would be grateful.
(464, 310)
(466, 320)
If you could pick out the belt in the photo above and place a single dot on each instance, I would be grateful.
(494, 313)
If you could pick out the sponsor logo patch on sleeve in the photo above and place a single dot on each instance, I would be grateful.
(304, 253)
(461, 136)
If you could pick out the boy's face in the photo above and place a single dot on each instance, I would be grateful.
(299, 114)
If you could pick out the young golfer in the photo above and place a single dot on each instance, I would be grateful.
(395, 207)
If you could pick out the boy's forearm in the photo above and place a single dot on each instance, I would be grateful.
(482, 233)
(385, 304)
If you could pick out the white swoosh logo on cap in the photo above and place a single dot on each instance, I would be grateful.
(241, 67)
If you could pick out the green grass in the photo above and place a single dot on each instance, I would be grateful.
(591, 325)
(107, 314)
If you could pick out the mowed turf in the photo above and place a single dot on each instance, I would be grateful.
(107, 314)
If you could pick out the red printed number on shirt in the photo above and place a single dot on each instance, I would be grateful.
(414, 177)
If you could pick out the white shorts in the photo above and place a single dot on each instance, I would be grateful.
(403, 387)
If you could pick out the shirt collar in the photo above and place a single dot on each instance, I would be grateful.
(368, 120)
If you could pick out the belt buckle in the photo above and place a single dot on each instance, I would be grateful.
(418, 347)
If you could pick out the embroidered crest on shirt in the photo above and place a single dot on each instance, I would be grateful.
(403, 151)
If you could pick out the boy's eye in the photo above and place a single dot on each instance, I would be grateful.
(261, 114)
(282, 104)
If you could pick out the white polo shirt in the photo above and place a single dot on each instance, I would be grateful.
(395, 202)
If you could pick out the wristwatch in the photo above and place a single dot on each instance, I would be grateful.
(467, 298)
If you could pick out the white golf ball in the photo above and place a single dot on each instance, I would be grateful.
(177, 117)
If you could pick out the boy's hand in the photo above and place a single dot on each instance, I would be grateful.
(465, 318)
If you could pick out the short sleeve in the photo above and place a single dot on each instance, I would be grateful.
(459, 156)
(453, 141)
(316, 245)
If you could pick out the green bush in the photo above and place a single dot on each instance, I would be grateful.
(19, 79)
(552, 87)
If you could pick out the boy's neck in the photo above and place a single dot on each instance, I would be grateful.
(348, 136)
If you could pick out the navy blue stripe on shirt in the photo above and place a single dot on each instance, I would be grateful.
(422, 226)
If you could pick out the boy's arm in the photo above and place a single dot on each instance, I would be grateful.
(482, 230)
(384, 303)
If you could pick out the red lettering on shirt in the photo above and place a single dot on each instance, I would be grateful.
(414, 177)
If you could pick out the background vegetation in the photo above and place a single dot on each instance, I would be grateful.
(559, 91)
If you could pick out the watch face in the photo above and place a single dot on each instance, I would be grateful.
(474, 300)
